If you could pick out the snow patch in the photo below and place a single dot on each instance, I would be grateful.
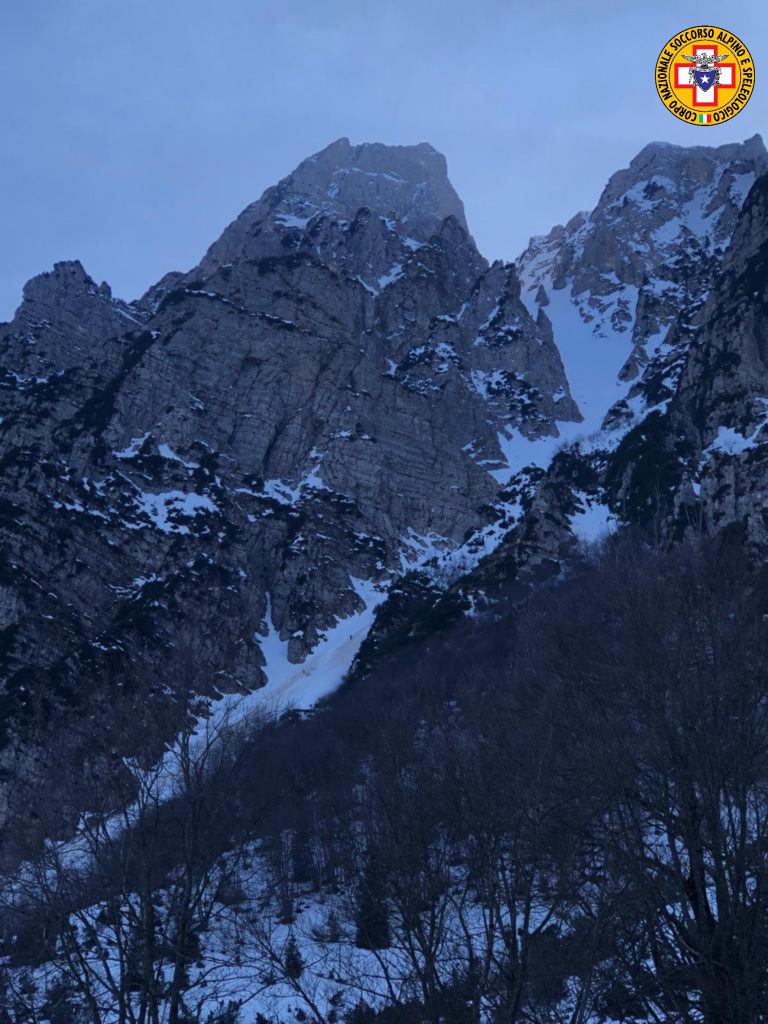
(421, 548)
(731, 442)
(594, 521)
(168, 453)
(302, 685)
(485, 381)
(393, 274)
(740, 187)
(282, 492)
(290, 220)
(592, 364)
(161, 507)
(132, 450)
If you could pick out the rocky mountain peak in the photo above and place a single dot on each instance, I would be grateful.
(404, 183)
(67, 282)
(689, 168)
(340, 393)
(665, 191)
(261, 446)
(669, 152)
(748, 239)
(647, 250)
(62, 322)
(302, 464)
(406, 187)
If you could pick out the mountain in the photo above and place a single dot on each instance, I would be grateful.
(343, 449)
(343, 423)
(626, 289)
(234, 468)
(712, 425)
(619, 276)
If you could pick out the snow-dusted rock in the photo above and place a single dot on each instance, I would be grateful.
(333, 391)
(210, 489)
(618, 277)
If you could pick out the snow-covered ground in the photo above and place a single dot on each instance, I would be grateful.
(244, 946)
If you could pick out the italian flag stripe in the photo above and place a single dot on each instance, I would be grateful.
(705, 118)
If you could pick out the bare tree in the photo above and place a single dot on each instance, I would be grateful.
(121, 906)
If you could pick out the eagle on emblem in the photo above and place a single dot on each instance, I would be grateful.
(704, 73)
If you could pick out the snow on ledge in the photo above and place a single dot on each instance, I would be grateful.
(158, 508)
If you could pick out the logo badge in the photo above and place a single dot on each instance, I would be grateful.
(705, 75)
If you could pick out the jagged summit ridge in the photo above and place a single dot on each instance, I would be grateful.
(64, 321)
(408, 182)
(697, 189)
(688, 167)
(753, 147)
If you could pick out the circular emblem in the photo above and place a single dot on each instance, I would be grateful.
(705, 75)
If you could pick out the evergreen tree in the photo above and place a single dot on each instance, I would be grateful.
(372, 912)
(294, 964)
(333, 927)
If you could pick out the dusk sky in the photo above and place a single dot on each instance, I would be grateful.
(133, 131)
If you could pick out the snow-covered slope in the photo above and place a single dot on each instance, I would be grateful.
(613, 281)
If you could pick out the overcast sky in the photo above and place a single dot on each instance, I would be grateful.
(133, 131)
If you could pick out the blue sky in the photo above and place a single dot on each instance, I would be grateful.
(133, 131)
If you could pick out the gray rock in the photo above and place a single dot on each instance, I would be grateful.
(317, 402)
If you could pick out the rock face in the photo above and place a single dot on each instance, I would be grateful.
(408, 186)
(202, 489)
(243, 457)
(628, 290)
(713, 430)
(617, 278)
(655, 300)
